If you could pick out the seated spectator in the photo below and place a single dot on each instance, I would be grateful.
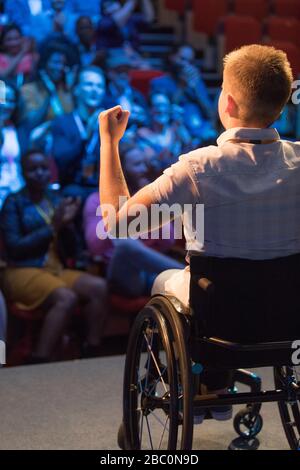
(120, 24)
(3, 318)
(21, 12)
(17, 58)
(90, 9)
(183, 83)
(131, 264)
(55, 20)
(14, 141)
(119, 87)
(38, 238)
(166, 135)
(76, 135)
(85, 40)
(49, 96)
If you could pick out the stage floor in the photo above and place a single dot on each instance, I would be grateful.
(77, 405)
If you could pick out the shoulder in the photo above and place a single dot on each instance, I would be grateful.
(206, 160)
(13, 200)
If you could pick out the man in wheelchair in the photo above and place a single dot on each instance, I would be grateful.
(249, 186)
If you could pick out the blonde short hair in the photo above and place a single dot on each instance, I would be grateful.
(263, 77)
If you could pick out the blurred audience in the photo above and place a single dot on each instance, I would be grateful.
(17, 56)
(14, 141)
(167, 134)
(57, 19)
(131, 264)
(119, 87)
(21, 12)
(38, 239)
(86, 40)
(121, 24)
(49, 95)
(89, 8)
(76, 136)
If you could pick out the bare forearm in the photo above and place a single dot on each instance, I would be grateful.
(112, 181)
(122, 16)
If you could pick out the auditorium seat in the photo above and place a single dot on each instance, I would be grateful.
(289, 8)
(140, 79)
(207, 14)
(283, 29)
(258, 9)
(176, 5)
(238, 30)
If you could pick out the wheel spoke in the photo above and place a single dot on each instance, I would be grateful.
(161, 439)
(149, 433)
(156, 364)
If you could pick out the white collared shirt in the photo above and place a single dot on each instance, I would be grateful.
(250, 191)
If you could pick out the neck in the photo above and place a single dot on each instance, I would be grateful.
(36, 195)
(84, 112)
(232, 123)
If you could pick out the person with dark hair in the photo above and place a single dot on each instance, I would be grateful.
(119, 86)
(86, 40)
(75, 135)
(49, 96)
(14, 141)
(58, 19)
(38, 238)
(120, 24)
(166, 134)
(89, 9)
(17, 58)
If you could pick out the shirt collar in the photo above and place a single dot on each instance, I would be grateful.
(248, 134)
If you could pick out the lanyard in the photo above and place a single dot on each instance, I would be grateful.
(91, 145)
(46, 216)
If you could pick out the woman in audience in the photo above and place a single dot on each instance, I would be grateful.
(14, 141)
(17, 59)
(131, 264)
(167, 134)
(38, 237)
(49, 96)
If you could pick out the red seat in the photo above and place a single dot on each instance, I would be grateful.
(240, 31)
(283, 29)
(287, 8)
(258, 9)
(207, 14)
(292, 52)
(176, 5)
(140, 79)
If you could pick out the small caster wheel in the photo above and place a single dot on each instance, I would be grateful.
(247, 425)
(121, 437)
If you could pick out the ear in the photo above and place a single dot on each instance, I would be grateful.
(231, 106)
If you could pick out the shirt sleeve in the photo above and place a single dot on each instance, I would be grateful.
(177, 185)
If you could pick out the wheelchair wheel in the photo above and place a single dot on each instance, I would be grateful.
(284, 378)
(157, 397)
(247, 424)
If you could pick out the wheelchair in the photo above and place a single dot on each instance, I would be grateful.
(243, 314)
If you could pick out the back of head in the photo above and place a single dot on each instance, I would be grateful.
(260, 79)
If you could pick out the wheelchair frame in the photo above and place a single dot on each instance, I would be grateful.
(166, 318)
